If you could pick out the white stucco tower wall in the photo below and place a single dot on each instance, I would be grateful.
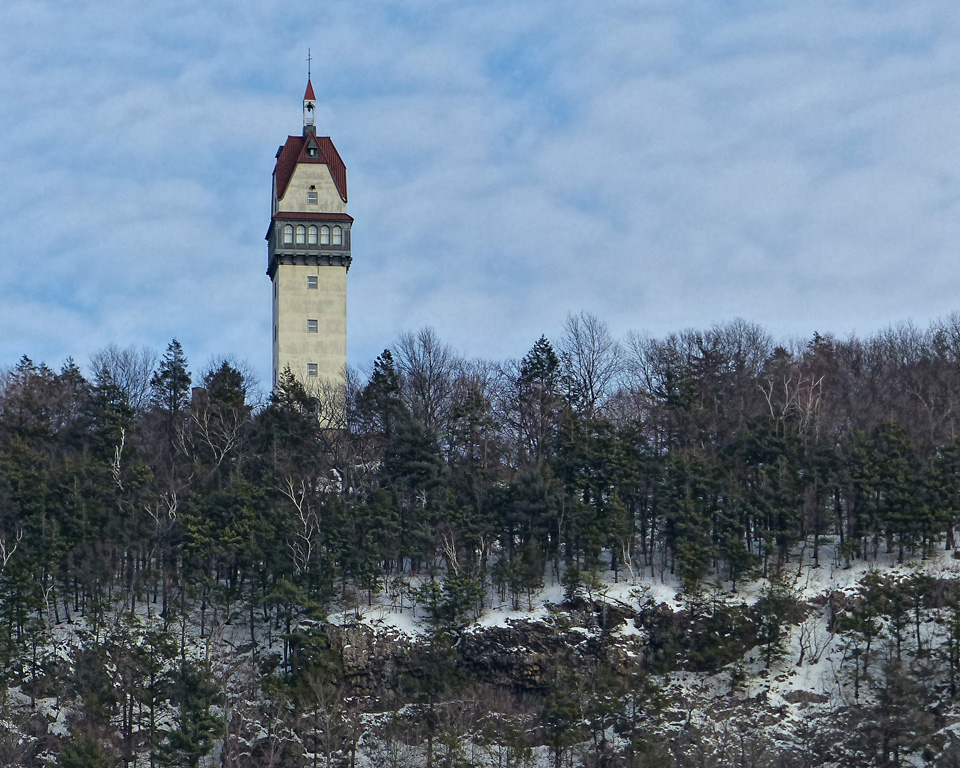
(308, 247)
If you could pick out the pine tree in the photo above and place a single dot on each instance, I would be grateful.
(539, 403)
(197, 727)
(171, 381)
(84, 750)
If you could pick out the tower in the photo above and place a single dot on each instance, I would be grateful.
(308, 256)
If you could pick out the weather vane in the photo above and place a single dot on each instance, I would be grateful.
(309, 60)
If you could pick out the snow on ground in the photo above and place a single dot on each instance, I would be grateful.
(807, 676)
(382, 616)
(805, 680)
(806, 581)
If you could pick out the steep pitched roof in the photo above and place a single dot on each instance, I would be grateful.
(294, 152)
(308, 95)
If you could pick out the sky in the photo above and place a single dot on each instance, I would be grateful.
(662, 164)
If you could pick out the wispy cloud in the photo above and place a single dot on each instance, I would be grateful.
(660, 164)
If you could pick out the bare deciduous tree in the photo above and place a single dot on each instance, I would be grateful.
(591, 361)
(130, 369)
(427, 368)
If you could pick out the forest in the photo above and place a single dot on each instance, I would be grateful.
(173, 546)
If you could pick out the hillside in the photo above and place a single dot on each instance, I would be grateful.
(702, 550)
(630, 673)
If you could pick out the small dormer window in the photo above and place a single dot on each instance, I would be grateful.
(311, 151)
(312, 196)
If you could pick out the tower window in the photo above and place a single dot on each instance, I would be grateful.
(312, 196)
(324, 235)
(311, 326)
(301, 234)
(312, 282)
(311, 151)
(311, 369)
(337, 236)
(288, 235)
(311, 235)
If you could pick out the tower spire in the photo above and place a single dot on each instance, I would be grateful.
(309, 102)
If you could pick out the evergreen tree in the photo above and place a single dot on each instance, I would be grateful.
(84, 749)
(196, 726)
(170, 383)
(538, 403)
(220, 424)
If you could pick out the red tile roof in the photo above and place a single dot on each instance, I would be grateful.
(294, 152)
(313, 216)
(308, 96)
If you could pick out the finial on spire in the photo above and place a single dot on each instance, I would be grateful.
(309, 101)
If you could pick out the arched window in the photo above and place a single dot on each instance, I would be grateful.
(311, 235)
(312, 196)
(337, 236)
(288, 234)
(301, 234)
(324, 235)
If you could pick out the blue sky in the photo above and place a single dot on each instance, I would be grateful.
(661, 164)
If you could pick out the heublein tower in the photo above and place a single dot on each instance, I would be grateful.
(308, 249)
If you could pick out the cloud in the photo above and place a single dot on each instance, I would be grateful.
(661, 164)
